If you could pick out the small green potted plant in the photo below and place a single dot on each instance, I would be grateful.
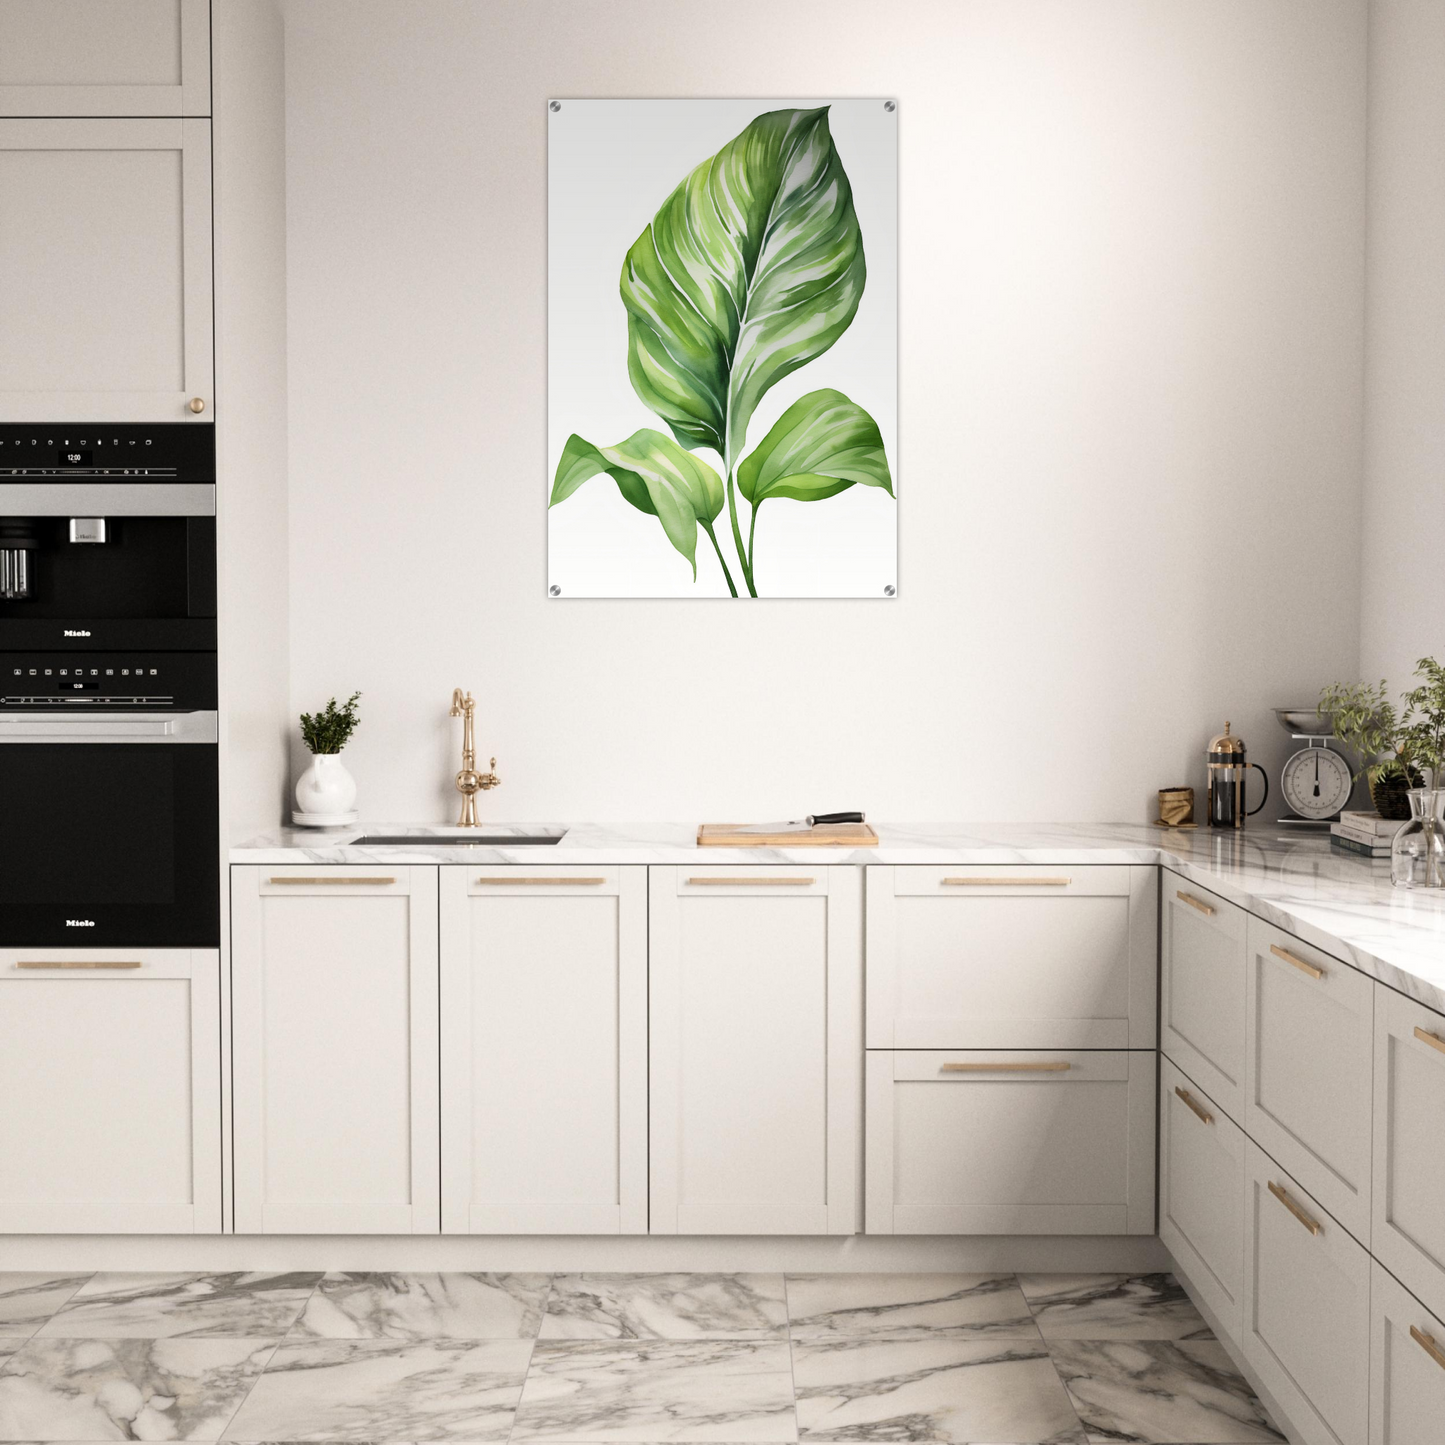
(1417, 856)
(326, 792)
(1367, 722)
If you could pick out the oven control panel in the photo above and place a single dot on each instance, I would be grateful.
(156, 681)
(112, 452)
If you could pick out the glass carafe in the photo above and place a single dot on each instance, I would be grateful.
(1417, 856)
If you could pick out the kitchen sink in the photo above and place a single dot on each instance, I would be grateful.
(470, 838)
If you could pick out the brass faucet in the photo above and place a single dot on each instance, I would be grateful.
(469, 780)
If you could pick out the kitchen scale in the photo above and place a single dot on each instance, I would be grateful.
(1316, 782)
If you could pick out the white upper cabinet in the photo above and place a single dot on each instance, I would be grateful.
(110, 1091)
(105, 57)
(105, 255)
(1012, 958)
(1204, 951)
(544, 1050)
(756, 1048)
(335, 1058)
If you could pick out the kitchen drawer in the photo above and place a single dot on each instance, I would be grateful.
(998, 1142)
(1059, 957)
(1201, 1193)
(1309, 1068)
(1408, 1232)
(1204, 955)
(1407, 1367)
(1306, 1306)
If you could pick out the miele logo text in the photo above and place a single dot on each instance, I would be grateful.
(76, 632)
(80, 923)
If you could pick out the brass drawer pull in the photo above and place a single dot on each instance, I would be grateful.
(80, 963)
(762, 881)
(1429, 1344)
(1195, 903)
(1192, 1103)
(1313, 1225)
(1049, 1068)
(327, 882)
(554, 882)
(1008, 882)
(1295, 961)
(1434, 1040)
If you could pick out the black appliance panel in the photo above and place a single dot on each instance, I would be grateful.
(107, 682)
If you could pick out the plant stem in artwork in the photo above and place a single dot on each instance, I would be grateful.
(722, 561)
(738, 538)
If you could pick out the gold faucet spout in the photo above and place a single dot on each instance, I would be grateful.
(469, 781)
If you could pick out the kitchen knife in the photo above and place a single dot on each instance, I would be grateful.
(800, 825)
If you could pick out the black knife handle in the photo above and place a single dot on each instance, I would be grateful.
(816, 818)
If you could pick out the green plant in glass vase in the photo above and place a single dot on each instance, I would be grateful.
(1367, 722)
(1417, 856)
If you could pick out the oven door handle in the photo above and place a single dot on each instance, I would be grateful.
(179, 727)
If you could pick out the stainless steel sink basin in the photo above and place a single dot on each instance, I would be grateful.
(468, 838)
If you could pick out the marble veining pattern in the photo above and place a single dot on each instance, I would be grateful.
(28, 1299)
(1112, 1307)
(901, 1305)
(425, 1306)
(152, 1306)
(666, 1307)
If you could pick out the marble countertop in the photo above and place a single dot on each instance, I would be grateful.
(1295, 880)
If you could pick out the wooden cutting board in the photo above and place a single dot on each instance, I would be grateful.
(821, 835)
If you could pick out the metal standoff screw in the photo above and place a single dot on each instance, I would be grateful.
(889, 590)
(554, 106)
(555, 590)
(890, 105)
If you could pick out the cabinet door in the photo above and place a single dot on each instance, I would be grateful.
(105, 247)
(1012, 958)
(334, 1048)
(1309, 1069)
(1201, 1193)
(755, 1041)
(1306, 1307)
(105, 57)
(110, 1091)
(544, 1050)
(1203, 980)
(1408, 1235)
(1407, 1367)
(1005, 1143)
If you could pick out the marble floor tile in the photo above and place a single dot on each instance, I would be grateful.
(93, 1390)
(1160, 1391)
(9, 1344)
(655, 1390)
(425, 1307)
(1113, 1307)
(385, 1390)
(160, 1306)
(901, 1305)
(28, 1299)
(666, 1307)
(945, 1390)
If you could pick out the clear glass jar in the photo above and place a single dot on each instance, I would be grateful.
(1417, 856)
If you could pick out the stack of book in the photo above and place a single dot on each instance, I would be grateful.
(1366, 834)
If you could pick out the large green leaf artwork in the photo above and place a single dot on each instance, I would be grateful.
(752, 268)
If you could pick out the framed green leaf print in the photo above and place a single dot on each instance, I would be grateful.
(722, 332)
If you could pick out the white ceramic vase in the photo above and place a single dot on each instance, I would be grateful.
(326, 786)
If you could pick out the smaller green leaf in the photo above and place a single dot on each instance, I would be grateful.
(653, 473)
(820, 446)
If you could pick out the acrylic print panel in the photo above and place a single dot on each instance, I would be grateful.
(722, 348)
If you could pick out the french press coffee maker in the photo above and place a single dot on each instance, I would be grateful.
(1227, 769)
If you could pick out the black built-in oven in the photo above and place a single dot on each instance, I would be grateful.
(109, 829)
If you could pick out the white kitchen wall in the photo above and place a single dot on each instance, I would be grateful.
(1131, 346)
(1404, 533)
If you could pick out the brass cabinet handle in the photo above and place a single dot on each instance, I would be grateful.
(80, 963)
(1194, 1104)
(1193, 902)
(1048, 1068)
(762, 881)
(1429, 1344)
(1295, 961)
(1313, 1225)
(1434, 1040)
(1008, 882)
(329, 882)
(196, 404)
(541, 882)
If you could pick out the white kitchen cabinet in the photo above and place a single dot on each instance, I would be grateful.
(1306, 1307)
(1408, 1234)
(1201, 1193)
(998, 1142)
(105, 58)
(1407, 1367)
(756, 1040)
(335, 1049)
(110, 1077)
(973, 957)
(1309, 1069)
(544, 1050)
(1203, 958)
(105, 247)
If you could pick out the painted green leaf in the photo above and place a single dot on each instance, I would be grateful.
(656, 475)
(753, 267)
(820, 446)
